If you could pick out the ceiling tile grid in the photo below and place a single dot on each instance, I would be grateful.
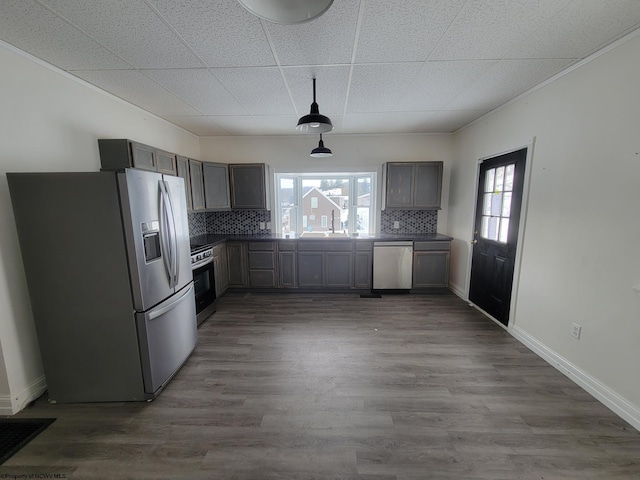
(382, 66)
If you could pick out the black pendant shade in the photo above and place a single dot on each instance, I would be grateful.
(321, 151)
(314, 122)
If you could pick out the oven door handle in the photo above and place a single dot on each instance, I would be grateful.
(202, 263)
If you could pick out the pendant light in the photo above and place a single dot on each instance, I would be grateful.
(287, 12)
(321, 151)
(314, 122)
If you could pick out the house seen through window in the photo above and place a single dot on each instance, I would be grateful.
(322, 204)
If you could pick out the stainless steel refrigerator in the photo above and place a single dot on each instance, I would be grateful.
(106, 256)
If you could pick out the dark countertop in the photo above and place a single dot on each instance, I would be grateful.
(214, 239)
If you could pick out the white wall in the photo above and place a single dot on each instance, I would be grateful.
(581, 245)
(350, 153)
(49, 122)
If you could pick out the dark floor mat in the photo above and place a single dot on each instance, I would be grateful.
(15, 433)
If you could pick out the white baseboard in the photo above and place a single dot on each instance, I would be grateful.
(604, 394)
(10, 405)
(457, 290)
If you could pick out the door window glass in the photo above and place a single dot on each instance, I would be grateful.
(496, 203)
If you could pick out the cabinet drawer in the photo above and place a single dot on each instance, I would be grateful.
(325, 246)
(269, 246)
(287, 245)
(430, 246)
(364, 246)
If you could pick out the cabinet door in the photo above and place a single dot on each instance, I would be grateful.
(144, 156)
(197, 184)
(427, 185)
(338, 268)
(363, 268)
(248, 186)
(220, 269)
(237, 264)
(310, 269)
(216, 185)
(430, 269)
(182, 168)
(166, 162)
(287, 269)
(399, 185)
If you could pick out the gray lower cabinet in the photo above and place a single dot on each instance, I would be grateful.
(363, 265)
(287, 270)
(248, 185)
(431, 264)
(182, 167)
(196, 176)
(325, 264)
(237, 264)
(262, 264)
(220, 269)
(216, 186)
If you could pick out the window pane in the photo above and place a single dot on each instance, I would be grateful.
(314, 202)
(484, 230)
(508, 179)
(504, 230)
(493, 228)
(489, 179)
(499, 179)
(288, 218)
(304, 222)
(486, 204)
(496, 204)
(363, 192)
(324, 221)
(363, 214)
(506, 204)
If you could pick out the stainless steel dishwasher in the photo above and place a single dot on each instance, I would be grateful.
(392, 265)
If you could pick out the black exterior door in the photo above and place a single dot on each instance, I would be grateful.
(495, 239)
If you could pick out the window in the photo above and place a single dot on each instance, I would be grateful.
(496, 203)
(325, 203)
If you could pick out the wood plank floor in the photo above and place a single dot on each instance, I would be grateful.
(310, 387)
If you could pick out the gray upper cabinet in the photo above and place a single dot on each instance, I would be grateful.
(216, 186)
(166, 162)
(248, 183)
(182, 168)
(116, 154)
(196, 177)
(413, 185)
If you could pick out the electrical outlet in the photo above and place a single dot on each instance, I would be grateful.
(269, 225)
(262, 226)
(576, 330)
(396, 224)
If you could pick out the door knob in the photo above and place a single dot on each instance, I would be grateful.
(474, 241)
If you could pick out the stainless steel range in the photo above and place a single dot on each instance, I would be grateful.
(203, 281)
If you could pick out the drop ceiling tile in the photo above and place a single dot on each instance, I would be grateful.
(34, 29)
(438, 83)
(392, 122)
(402, 30)
(331, 87)
(506, 80)
(486, 29)
(579, 29)
(327, 40)
(198, 125)
(378, 88)
(138, 89)
(238, 125)
(221, 32)
(130, 29)
(448, 121)
(277, 124)
(261, 90)
(200, 89)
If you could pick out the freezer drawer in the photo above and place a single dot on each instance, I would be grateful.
(168, 334)
(392, 265)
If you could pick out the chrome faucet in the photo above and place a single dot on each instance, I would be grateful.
(333, 219)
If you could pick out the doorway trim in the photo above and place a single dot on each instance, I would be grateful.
(524, 208)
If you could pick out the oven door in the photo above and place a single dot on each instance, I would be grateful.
(205, 290)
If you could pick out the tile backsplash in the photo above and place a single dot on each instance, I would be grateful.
(410, 221)
(245, 222)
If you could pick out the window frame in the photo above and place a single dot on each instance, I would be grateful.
(298, 177)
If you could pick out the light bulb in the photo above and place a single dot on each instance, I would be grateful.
(314, 124)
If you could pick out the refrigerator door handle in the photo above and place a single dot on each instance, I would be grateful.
(175, 259)
(165, 245)
(170, 306)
